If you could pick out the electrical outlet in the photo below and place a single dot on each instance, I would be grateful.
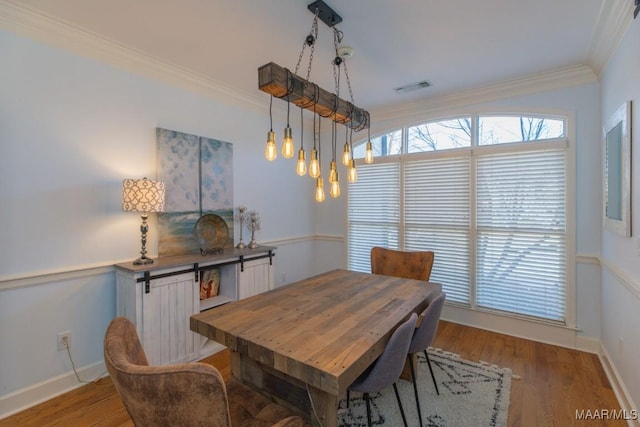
(64, 340)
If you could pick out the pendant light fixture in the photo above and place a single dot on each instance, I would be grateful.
(368, 154)
(353, 174)
(287, 140)
(270, 152)
(284, 84)
(301, 166)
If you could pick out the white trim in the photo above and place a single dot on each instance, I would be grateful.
(46, 277)
(544, 332)
(617, 384)
(54, 276)
(629, 282)
(20, 400)
(587, 259)
(307, 238)
(565, 77)
(571, 308)
(33, 24)
(27, 21)
(613, 22)
(588, 344)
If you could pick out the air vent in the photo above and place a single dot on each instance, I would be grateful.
(414, 86)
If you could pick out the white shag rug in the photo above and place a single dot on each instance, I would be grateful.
(471, 394)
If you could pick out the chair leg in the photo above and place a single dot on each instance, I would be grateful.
(404, 419)
(415, 390)
(366, 399)
(433, 377)
(348, 397)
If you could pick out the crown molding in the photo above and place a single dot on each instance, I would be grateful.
(613, 22)
(557, 79)
(29, 23)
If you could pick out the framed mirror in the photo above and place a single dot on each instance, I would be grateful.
(617, 171)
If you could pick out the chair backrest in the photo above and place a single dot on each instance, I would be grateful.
(181, 394)
(410, 265)
(388, 367)
(424, 334)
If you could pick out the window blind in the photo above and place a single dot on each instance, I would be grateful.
(374, 212)
(436, 218)
(521, 233)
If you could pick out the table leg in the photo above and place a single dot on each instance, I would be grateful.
(324, 407)
(406, 371)
(286, 390)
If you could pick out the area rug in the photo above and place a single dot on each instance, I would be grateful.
(471, 394)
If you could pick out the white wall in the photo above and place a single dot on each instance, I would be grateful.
(71, 129)
(620, 277)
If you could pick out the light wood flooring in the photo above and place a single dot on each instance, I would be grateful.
(555, 382)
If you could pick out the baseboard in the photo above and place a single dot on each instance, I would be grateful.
(589, 345)
(539, 331)
(626, 403)
(20, 400)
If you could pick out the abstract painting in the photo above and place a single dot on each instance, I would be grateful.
(198, 177)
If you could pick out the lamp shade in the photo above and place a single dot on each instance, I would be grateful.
(142, 195)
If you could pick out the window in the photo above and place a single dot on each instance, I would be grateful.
(505, 129)
(488, 199)
(442, 135)
(384, 145)
(379, 226)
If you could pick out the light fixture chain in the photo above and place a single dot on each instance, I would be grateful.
(346, 76)
(315, 35)
(309, 40)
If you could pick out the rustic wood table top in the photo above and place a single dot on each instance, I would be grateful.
(324, 330)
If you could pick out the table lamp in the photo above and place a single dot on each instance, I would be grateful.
(143, 195)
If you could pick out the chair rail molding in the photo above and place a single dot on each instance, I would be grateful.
(622, 276)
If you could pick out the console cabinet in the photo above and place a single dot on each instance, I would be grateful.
(160, 298)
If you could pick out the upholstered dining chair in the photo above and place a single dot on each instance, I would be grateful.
(422, 338)
(387, 368)
(185, 394)
(410, 265)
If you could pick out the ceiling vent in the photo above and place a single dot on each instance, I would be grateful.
(413, 86)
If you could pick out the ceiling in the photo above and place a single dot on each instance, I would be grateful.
(456, 45)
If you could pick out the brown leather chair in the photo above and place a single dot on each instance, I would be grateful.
(410, 265)
(186, 394)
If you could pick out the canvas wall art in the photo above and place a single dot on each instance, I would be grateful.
(198, 176)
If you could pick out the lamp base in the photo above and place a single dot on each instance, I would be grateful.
(143, 261)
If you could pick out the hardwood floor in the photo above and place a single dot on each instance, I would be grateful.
(554, 383)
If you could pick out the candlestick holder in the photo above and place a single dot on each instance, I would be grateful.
(254, 225)
(240, 216)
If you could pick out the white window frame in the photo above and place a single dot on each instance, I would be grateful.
(569, 140)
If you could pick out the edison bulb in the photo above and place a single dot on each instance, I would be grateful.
(333, 171)
(319, 190)
(334, 188)
(301, 167)
(368, 157)
(287, 143)
(353, 174)
(314, 164)
(346, 155)
(270, 151)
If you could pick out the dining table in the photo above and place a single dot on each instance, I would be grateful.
(303, 344)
